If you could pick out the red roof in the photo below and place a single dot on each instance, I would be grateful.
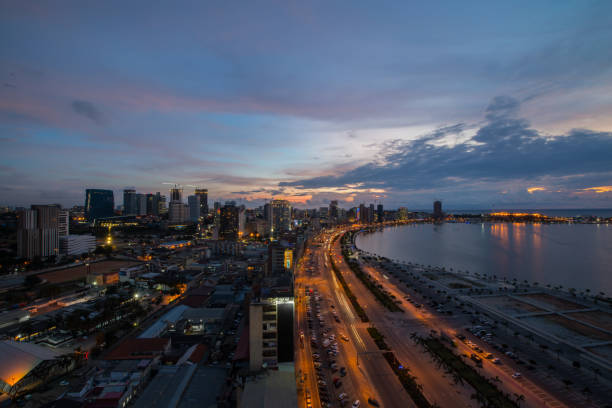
(137, 349)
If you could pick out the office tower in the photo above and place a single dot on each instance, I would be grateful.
(47, 220)
(323, 212)
(38, 231)
(129, 202)
(63, 223)
(333, 210)
(141, 204)
(178, 212)
(380, 214)
(229, 222)
(99, 204)
(437, 210)
(27, 234)
(176, 194)
(153, 204)
(280, 217)
(202, 193)
(194, 207)
(161, 202)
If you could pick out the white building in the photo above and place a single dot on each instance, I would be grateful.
(77, 244)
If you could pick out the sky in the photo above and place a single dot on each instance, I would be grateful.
(479, 104)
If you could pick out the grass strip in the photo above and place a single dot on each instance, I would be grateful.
(485, 389)
(414, 389)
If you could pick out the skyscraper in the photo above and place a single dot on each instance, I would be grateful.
(380, 213)
(194, 207)
(63, 223)
(437, 210)
(178, 212)
(99, 204)
(129, 202)
(229, 222)
(38, 232)
(141, 204)
(176, 194)
(280, 216)
(153, 204)
(333, 210)
(202, 193)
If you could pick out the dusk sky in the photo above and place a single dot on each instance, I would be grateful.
(478, 104)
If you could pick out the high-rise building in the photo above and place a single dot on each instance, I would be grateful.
(47, 220)
(333, 210)
(141, 204)
(176, 194)
(129, 202)
(380, 213)
(437, 210)
(161, 202)
(178, 212)
(194, 208)
(229, 222)
(280, 217)
(63, 223)
(38, 231)
(153, 204)
(27, 234)
(270, 332)
(99, 204)
(202, 193)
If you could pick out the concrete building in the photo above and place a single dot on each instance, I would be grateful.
(280, 217)
(63, 223)
(202, 193)
(270, 333)
(437, 210)
(77, 244)
(141, 204)
(194, 208)
(129, 202)
(178, 212)
(229, 226)
(99, 204)
(38, 231)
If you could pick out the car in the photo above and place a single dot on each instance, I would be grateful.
(344, 337)
(342, 396)
(517, 375)
(64, 383)
(321, 382)
(337, 384)
(356, 404)
(496, 361)
(373, 402)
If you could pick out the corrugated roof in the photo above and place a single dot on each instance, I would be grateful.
(19, 358)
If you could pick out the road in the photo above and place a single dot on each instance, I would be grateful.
(416, 318)
(438, 386)
(368, 374)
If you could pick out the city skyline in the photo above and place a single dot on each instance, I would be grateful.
(353, 102)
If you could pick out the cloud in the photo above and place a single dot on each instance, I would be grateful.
(503, 150)
(88, 110)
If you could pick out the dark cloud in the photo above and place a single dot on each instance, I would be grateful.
(504, 149)
(89, 110)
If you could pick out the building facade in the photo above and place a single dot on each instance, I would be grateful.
(99, 204)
